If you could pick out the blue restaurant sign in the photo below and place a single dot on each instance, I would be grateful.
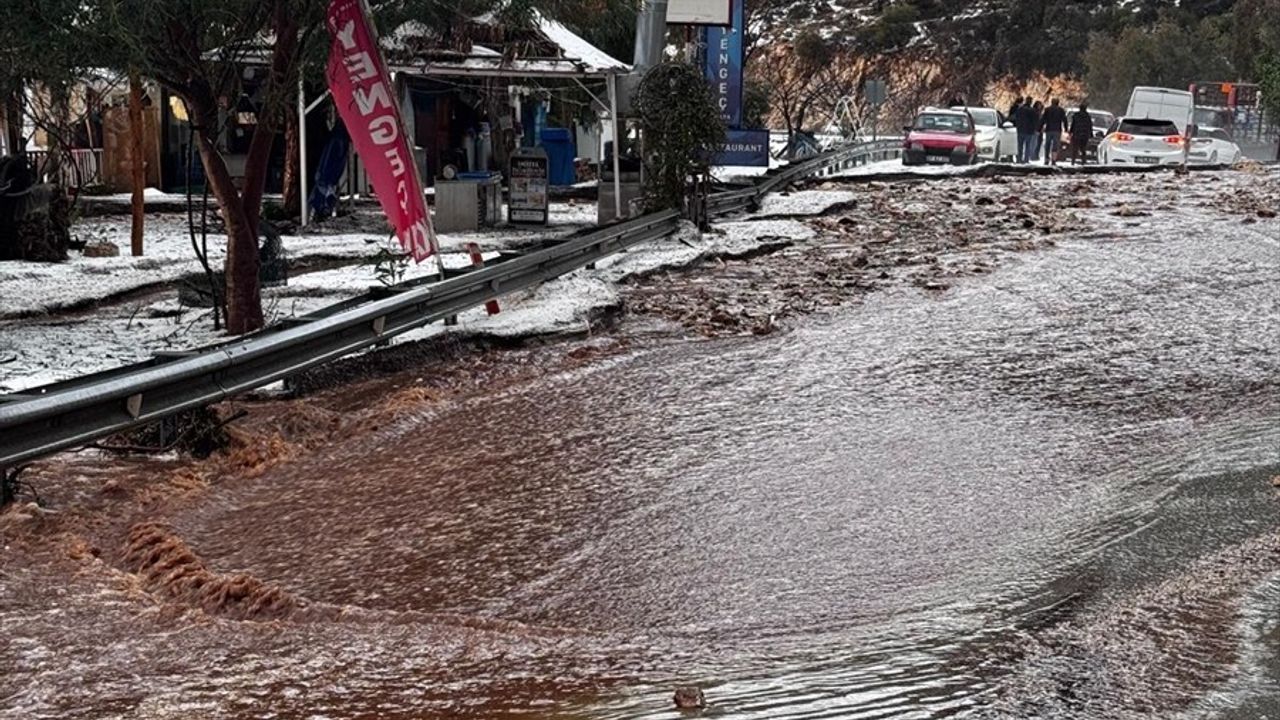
(743, 147)
(724, 67)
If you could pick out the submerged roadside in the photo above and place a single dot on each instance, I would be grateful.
(727, 475)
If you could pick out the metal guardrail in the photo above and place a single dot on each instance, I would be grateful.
(824, 164)
(44, 420)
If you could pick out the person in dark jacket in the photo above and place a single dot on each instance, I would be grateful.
(1052, 123)
(1038, 107)
(1081, 131)
(1025, 120)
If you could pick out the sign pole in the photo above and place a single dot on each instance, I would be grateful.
(302, 151)
(617, 145)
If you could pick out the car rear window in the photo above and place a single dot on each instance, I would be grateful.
(943, 123)
(1214, 133)
(1148, 127)
(986, 118)
(1101, 120)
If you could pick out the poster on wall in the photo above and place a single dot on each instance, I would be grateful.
(723, 67)
(528, 183)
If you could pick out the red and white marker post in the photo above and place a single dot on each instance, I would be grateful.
(477, 261)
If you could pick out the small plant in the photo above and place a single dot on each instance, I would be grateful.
(389, 263)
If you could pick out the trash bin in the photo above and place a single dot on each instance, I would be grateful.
(558, 142)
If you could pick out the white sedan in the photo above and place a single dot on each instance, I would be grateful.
(1143, 142)
(995, 137)
(1213, 146)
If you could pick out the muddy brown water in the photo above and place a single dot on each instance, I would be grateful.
(1043, 493)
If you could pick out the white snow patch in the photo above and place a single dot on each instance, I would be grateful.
(28, 288)
(34, 352)
(806, 202)
(895, 166)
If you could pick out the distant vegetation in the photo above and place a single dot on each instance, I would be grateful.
(933, 50)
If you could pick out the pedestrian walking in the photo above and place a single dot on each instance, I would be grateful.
(1024, 120)
(1081, 131)
(1052, 123)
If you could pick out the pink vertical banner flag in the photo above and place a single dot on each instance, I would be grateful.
(366, 100)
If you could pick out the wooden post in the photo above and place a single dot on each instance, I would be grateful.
(138, 164)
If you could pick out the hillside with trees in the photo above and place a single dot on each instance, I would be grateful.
(933, 50)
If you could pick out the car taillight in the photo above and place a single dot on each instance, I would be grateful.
(1174, 139)
(1121, 138)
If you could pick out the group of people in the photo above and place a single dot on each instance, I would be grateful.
(1040, 130)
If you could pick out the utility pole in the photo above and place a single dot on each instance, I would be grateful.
(651, 35)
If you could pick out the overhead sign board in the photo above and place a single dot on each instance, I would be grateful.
(699, 12)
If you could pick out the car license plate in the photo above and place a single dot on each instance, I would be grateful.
(938, 159)
(1146, 160)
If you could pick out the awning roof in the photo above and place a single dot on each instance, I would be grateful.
(577, 57)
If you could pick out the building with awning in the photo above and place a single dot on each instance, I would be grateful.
(489, 82)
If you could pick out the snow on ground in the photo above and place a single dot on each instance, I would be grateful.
(37, 351)
(567, 304)
(34, 288)
(895, 166)
(811, 202)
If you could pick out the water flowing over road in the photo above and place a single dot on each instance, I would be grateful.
(1042, 492)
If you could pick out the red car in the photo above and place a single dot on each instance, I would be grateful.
(940, 136)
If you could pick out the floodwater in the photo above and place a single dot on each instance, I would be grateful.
(1044, 492)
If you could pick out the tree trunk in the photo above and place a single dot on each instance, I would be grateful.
(283, 56)
(137, 161)
(13, 120)
(292, 182)
(244, 302)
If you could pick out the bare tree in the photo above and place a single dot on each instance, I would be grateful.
(198, 51)
(797, 78)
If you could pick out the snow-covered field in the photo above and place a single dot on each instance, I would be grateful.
(36, 351)
(37, 288)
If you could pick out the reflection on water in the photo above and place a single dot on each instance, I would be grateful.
(885, 513)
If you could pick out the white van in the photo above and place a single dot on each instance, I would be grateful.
(1153, 103)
